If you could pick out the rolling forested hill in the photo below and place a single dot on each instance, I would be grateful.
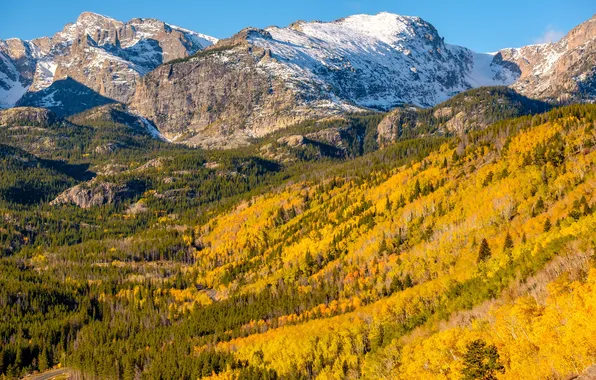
(419, 260)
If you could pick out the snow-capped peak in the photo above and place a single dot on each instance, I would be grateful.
(94, 18)
(386, 27)
(377, 60)
(100, 52)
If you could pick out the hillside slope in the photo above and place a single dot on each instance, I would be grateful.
(400, 248)
(340, 272)
(470, 110)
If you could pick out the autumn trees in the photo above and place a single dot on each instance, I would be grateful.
(415, 261)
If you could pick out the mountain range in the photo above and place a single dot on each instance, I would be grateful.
(387, 205)
(220, 94)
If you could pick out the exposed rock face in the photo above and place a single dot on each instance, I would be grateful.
(263, 80)
(393, 125)
(260, 81)
(562, 71)
(292, 140)
(223, 97)
(377, 61)
(100, 53)
(588, 374)
(469, 110)
(330, 136)
(92, 194)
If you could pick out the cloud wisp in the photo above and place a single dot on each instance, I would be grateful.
(551, 34)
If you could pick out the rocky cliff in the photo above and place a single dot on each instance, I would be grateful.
(222, 97)
(92, 194)
(260, 81)
(263, 80)
(562, 71)
(104, 55)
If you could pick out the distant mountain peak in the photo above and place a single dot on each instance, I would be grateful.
(260, 80)
(102, 54)
(86, 17)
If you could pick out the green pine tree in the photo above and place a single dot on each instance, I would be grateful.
(508, 244)
(484, 252)
(547, 225)
(481, 362)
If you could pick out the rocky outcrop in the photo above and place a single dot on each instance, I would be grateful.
(470, 110)
(260, 81)
(588, 374)
(263, 80)
(28, 116)
(393, 125)
(104, 55)
(221, 98)
(562, 71)
(330, 136)
(93, 194)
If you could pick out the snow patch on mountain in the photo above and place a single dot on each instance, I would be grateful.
(102, 53)
(11, 88)
(48, 100)
(152, 130)
(486, 73)
(377, 61)
(44, 74)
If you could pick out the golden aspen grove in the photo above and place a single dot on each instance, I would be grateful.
(400, 248)
(336, 197)
(435, 257)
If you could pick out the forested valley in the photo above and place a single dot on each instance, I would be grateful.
(416, 258)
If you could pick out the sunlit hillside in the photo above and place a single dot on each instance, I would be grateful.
(387, 266)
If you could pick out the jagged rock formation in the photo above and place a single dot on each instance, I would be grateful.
(562, 71)
(473, 109)
(392, 127)
(263, 80)
(92, 194)
(99, 53)
(222, 97)
(260, 81)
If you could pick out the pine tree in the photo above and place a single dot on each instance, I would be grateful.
(44, 360)
(481, 362)
(408, 283)
(508, 244)
(484, 252)
(383, 246)
(401, 202)
(380, 337)
(416, 191)
(396, 285)
(2, 361)
(547, 225)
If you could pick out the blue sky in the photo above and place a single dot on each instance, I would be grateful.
(480, 25)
